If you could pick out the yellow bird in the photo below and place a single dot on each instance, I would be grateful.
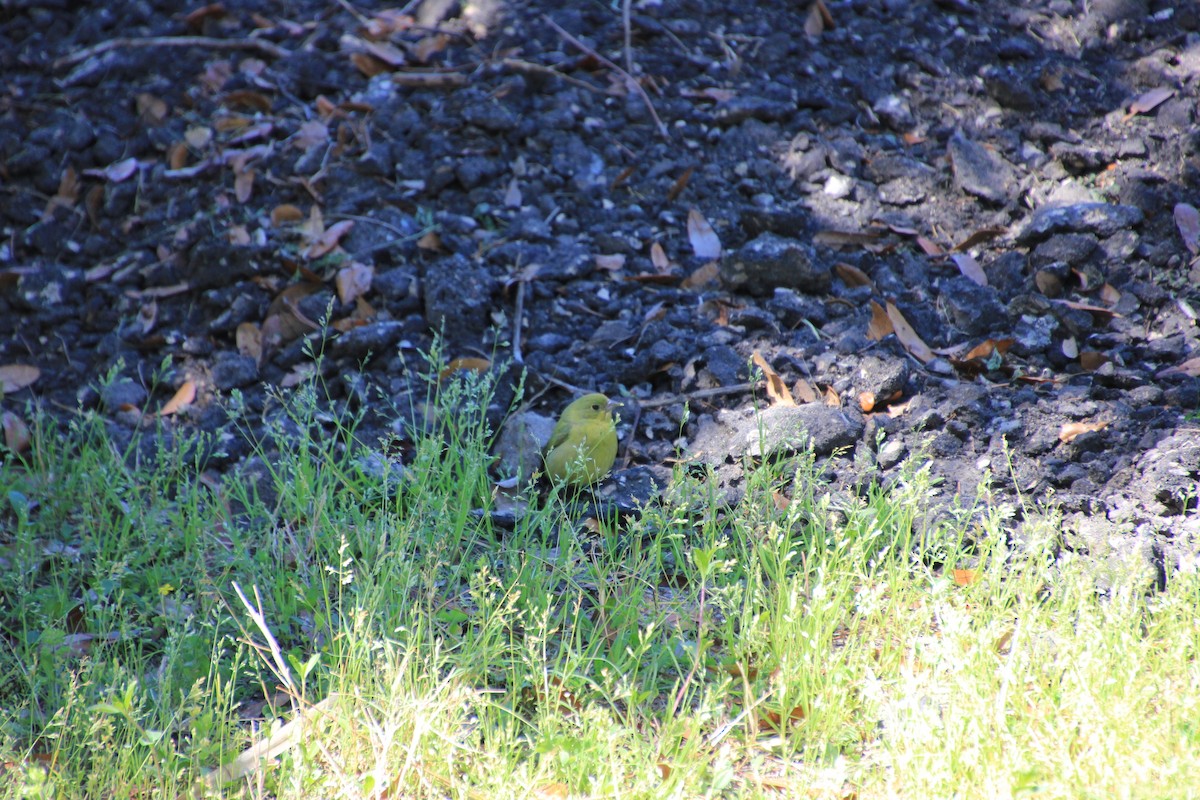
(583, 446)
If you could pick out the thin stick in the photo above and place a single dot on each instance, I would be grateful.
(260, 45)
(519, 65)
(629, 79)
(516, 337)
(699, 394)
(627, 23)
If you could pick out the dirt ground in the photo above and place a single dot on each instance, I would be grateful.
(962, 232)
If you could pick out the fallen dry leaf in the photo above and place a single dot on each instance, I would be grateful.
(659, 258)
(851, 275)
(907, 336)
(680, 184)
(328, 241)
(353, 280)
(15, 377)
(1149, 101)
(1187, 220)
(969, 267)
(1092, 360)
(777, 390)
(183, 397)
(249, 341)
(16, 432)
(610, 262)
(881, 324)
(704, 240)
(986, 348)
(979, 237)
(701, 277)
(1070, 430)
(929, 247)
(1191, 367)
(286, 214)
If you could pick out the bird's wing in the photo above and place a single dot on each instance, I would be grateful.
(558, 437)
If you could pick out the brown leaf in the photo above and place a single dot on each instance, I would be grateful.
(1110, 294)
(1149, 101)
(837, 239)
(328, 241)
(243, 185)
(468, 364)
(15, 377)
(659, 258)
(286, 214)
(151, 109)
(832, 398)
(704, 240)
(979, 237)
(610, 262)
(177, 155)
(16, 432)
(1099, 311)
(881, 324)
(249, 341)
(701, 277)
(1187, 220)
(907, 336)
(969, 267)
(115, 173)
(866, 401)
(851, 275)
(1070, 348)
(964, 577)
(1191, 367)
(368, 65)
(804, 390)
(777, 390)
(1071, 430)
(985, 349)
(1092, 360)
(929, 247)
(814, 24)
(431, 241)
(148, 316)
(680, 184)
(311, 134)
(1048, 283)
(353, 280)
(183, 397)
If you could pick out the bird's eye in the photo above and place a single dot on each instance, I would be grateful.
(595, 406)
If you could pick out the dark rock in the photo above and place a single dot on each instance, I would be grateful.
(884, 378)
(980, 171)
(123, 393)
(1070, 249)
(771, 261)
(458, 297)
(1102, 219)
(372, 339)
(233, 371)
(785, 430)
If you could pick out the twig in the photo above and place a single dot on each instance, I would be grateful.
(627, 24)
(260, 45)
(699, 394)
(519, 65)
(516, 337)
(629, 79)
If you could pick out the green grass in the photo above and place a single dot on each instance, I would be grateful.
(799, 644)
